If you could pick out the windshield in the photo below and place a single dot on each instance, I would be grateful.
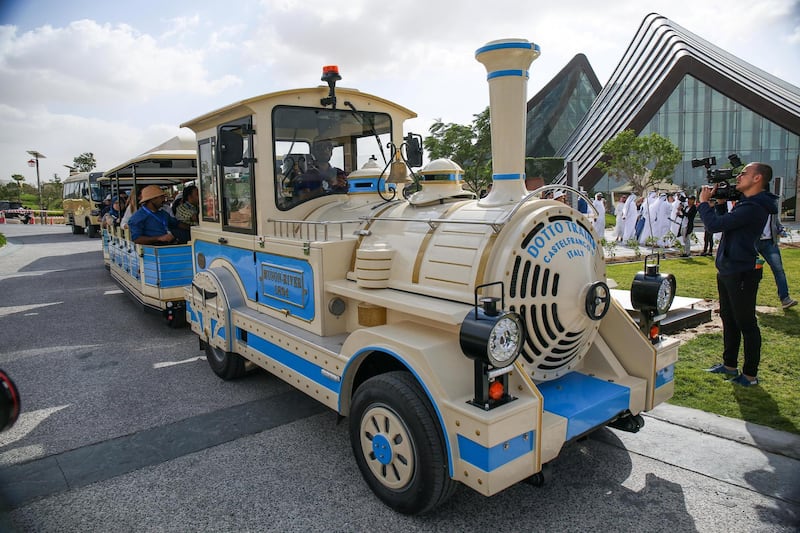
(97, 193)
(315, 149)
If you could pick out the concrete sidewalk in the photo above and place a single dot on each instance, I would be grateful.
(761, 437)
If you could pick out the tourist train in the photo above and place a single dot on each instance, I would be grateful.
(466, 339)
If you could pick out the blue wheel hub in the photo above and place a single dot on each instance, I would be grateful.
(382, 449)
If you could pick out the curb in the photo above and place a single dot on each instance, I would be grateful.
(761, 437)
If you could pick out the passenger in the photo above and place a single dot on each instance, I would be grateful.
(321, 177)
(107, 202)
(187, 213)
(151, 225)
(111, 218)
(130, 209)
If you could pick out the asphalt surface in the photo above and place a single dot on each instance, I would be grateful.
(124, 428)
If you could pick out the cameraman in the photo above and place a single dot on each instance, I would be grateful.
(738, 275)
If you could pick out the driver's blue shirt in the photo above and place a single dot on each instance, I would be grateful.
(146, 223)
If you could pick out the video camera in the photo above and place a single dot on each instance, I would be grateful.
(725, 191)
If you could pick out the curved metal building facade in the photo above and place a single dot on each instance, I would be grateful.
(707, 101)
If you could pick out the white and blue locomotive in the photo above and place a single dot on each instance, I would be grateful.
(466, 339)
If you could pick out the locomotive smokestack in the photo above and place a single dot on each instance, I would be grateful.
(507, 62)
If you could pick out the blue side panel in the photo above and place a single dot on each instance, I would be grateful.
(286, 283)
(488, 459)
(150, 266)
(220, 333)
(665, 375)
(175, 266)
(280, 282)
(194, 317)
(242, 261)
(287, 358)
(133, 263)
(586, 402)
(168, 267)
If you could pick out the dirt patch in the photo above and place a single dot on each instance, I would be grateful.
(715, 324)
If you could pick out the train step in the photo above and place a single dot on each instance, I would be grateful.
(584, 401)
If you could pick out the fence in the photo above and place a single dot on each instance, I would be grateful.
(36, 217)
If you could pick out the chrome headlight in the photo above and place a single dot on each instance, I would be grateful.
(505, 340)
(493, 337)
(652, 292)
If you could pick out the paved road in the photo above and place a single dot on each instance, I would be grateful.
(126, 429)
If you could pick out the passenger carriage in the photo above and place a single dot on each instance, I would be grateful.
(155, 276)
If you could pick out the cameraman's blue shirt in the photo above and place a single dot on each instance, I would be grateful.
(741, 229)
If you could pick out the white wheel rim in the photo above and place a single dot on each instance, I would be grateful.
(387, 447)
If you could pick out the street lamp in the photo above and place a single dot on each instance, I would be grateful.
(36, 156)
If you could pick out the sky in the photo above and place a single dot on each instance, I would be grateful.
(118, 78)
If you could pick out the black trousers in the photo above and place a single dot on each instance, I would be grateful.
(737, 309)
(708, 242)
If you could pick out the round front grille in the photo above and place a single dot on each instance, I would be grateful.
(550, 271)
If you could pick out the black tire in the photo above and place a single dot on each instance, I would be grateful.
(77, 230)
(225, 364)
(93, 231)
(398, 444)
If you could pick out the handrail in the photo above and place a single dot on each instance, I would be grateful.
(297, 227)
(433, 223)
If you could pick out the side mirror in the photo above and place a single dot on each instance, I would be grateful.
(413, 149)
(231, 148)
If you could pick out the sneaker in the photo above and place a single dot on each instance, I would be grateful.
(743, 381)
(721, 369)
(788, 302)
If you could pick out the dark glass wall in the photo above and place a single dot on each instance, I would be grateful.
(704, 122)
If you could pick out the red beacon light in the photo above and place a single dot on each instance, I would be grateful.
(330, 70)
(330, 75)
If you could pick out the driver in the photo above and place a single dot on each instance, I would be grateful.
(321, 177)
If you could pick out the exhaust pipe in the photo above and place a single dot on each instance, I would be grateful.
(507, 62)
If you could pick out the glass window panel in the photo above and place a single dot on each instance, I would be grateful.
(317, 148)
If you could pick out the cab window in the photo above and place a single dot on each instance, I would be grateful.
(315, 149)
(209, 199)
(235, 158)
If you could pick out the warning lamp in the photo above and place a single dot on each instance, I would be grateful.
(496, 391)
(493, 339)
(330, 71)
(652, 294)
(330, 75)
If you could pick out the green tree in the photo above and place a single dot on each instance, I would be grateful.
(52, 192)
(469, 146)
(85, 162)
(543, 167)
(19, 178)
(640, 161)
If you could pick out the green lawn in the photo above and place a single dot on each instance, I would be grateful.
(776, 401)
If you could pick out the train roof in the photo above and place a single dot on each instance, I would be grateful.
(173, 161)
(341, 94)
